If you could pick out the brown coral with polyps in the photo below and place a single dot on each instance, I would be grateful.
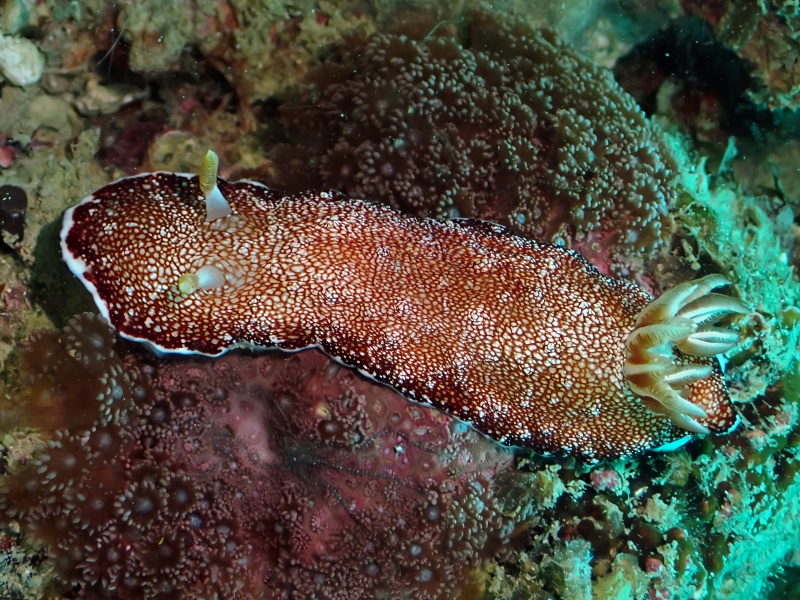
(268, 476)
(503, 123)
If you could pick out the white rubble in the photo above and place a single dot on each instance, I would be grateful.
(21, 62)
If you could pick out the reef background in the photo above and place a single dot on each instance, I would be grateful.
(102, 90)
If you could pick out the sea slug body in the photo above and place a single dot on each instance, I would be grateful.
(526, 341)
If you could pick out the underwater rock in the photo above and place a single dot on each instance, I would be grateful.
(765, 36)
(21, 62)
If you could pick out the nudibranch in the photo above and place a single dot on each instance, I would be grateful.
(526, 341)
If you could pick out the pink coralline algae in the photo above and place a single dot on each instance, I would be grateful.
(504, 123)
(274, 476)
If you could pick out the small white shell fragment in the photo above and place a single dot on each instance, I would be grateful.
(21, 62)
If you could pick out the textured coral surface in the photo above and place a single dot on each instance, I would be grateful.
(502, 122)
(270, 476)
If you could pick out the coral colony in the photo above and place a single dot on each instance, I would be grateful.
(507, 124)
(274, 476)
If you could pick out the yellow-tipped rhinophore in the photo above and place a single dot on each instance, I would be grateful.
(207, 277)
(188, 283)
(217, 206)
(208, 172)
